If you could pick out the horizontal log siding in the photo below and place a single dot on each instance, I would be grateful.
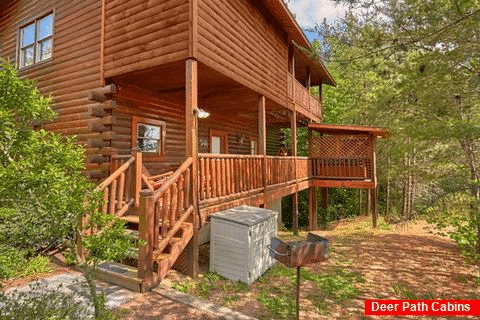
(75, 67)
(142, 34)
(149, 107)
(235, 126)
(235, 38)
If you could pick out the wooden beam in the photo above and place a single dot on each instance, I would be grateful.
(374, 207)
(102, 46)
(191, 107)
(146, 231)
(293, 129)
(137, 178)
(193, 28)
(312, 208)
(262, 140)
(343, 184)
(309, 78)
(293, 125)
(262, 126)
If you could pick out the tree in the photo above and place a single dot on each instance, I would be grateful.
(413, 66)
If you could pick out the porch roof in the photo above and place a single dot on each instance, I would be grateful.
(348, 129)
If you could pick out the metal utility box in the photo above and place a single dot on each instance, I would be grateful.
(295, 254)
(238, 242)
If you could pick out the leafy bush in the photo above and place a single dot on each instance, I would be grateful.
(41, 181)
(40, 303)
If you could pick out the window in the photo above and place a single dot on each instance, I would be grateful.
(148, 135)
(36, 41)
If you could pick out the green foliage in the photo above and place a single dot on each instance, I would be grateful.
(40, 172)
(280, 302)
(339, 285)
(412, 66)
(185, 288)
(43, 192)
(11, 261)
(213, 276)
(40, 303)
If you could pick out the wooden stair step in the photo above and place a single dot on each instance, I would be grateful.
(121, 275)
(131, 218)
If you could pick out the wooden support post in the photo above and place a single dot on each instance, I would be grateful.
(324, 193)
(293, 126)
(146, 232)
(374, 207)
(312, 206)
(367, 202)
(191, 92)
(309, 74)
(262, 141)
(137, 176)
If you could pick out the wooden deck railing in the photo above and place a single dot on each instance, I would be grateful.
(225, 175)
(122, 187)
(162, 214)
(346, 168)
(280, 170)
(302, 96)
(172, 205)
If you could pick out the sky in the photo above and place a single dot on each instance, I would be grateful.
(310, 12)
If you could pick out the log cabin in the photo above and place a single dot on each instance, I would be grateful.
(181, 105)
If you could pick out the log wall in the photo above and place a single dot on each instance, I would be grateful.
(240, 39)
(74, 69)
(141, 34)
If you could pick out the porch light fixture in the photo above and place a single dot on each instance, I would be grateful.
(202, 114)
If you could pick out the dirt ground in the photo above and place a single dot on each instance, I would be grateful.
(401, 262)
(392, 262)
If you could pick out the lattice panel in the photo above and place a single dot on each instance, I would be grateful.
(341, 146)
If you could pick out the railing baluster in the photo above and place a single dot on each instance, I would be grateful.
(218, 176)
(113, 193)
(228, 177)
(180, 197)
(187, 189)
(121, 188)
(173, 204)
(224, 177)
(213, 170)
(165, 214)
(203, 176)
(241, 174)
(208, 175)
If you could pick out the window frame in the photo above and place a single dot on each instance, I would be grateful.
(150, 156)
(36, 42)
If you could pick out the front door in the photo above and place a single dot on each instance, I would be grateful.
(218, 141)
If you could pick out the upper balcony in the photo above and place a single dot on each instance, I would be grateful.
(301, 96)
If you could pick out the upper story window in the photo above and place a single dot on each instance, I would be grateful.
(148, 135)
(36, 41)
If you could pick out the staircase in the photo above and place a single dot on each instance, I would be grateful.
(162, 219)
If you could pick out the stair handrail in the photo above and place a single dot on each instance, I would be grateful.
(105, 183)
(172, 179)
(187, 209)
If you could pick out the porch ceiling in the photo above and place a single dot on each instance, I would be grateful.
(216, 92)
